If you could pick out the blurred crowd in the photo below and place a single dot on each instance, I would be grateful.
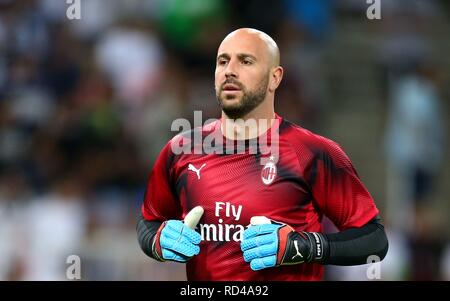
(86, 105)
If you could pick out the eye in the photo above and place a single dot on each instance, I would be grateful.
(247, 62)
(221, 62)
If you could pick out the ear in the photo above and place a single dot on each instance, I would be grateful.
(276, 75)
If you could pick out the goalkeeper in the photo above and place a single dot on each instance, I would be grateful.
(255, 213)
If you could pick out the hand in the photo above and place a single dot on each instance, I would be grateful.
(178, 241)
(273, 244)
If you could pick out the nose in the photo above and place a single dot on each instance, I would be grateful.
(230, 71)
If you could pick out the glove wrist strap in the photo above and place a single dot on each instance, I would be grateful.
(156, 246)
(319, 247)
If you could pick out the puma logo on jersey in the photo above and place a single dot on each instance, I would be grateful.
(296, 249)
(197, 171)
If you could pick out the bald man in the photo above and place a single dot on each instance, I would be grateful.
(248, 72)
(255, 212)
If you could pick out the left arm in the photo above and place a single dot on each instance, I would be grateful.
(341, 196)
(276, 244)
(354, 246)
(349, 247)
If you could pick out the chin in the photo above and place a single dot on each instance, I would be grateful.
(231, 101)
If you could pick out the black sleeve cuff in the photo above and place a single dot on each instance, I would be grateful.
(146, 231)
(349, 247)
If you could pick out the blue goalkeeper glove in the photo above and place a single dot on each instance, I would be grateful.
(274, 244)
(178, 241)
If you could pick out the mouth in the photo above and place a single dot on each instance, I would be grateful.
(231, 88)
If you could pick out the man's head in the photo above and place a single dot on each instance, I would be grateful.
(247, 71)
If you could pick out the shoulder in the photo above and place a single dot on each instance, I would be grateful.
(191, 138)
(189, 142)
(309, 144)
(299, 136)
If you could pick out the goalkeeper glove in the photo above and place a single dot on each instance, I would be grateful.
(178, 241)
(273, 244)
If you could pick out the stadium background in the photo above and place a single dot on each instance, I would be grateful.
(86, 105)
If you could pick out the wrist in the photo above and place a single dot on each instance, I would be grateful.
(156, 245)
(318, 247)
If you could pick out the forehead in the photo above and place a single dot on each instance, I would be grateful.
(243, 43)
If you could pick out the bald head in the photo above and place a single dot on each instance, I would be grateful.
(247, 73)
(260, 39)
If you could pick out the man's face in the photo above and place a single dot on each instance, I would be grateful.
(242, 74)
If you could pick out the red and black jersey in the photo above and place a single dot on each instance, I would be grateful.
(308, 177)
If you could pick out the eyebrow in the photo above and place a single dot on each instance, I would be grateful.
(223, 55)
(241, 56)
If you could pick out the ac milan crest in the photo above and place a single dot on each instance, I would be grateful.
(269, 172)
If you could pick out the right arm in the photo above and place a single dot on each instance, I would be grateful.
(161, 234)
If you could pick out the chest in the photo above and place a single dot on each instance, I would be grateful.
(233, 188)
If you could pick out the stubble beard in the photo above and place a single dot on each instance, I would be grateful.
(248, 102)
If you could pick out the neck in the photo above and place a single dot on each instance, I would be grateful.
(249, 126)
